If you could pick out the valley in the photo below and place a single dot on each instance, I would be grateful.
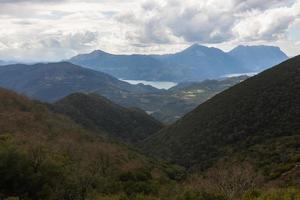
(149, 100)
(83, 134)
(84, 146)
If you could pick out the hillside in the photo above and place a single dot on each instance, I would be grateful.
(47, 156)
(183, 98)
(99, 114)
(53, 81)
(196, 63)
(256, 120)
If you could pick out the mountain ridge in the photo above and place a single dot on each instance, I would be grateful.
(243, 120)
(194, 63)
(100, 114)
(52, 81)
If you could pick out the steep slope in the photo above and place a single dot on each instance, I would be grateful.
(258, 58)
(258, 119)
(183, 98)
(98, 113)
(44, 155)
(52, 81)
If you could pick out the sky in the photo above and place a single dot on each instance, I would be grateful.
(53, 30)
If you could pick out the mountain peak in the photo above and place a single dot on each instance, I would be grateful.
(98, 52)
(197, 47)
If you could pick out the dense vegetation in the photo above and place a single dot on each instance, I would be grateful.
(47, 156)
(99, 114)
(255, 121)
(242, 144)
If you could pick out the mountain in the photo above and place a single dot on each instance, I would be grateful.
(195, 63)
(121, 66)
(45, 155)
(257, 120)
(99, 114)
(200, 62)
(5, 62)
(171, 105)
(258, 58)
(53, 81)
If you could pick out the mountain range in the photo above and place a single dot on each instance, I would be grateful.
(195, 63)
(257, 121)
(53, 81)
(240, 144)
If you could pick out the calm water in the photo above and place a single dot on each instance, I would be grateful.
(242, 74)
(156, 84)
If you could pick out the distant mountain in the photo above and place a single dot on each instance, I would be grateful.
(122, 66)
(99, 114)
(257, 120)
(5, 62)
(195, 63)
(258, 58)
(53, 81)
(200, 62)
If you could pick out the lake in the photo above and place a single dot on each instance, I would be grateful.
(242, 74)
(157, 84)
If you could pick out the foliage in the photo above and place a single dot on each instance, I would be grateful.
(255, 121)
(97, 113)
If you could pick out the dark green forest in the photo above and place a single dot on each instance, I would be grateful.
(242, 144)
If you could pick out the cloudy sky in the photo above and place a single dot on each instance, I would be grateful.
(51, 30)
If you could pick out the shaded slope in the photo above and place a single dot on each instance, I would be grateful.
(257, 119)
(98, 113)
(52, 81)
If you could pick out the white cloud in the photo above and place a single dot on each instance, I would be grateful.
(54, 30)
(211, 21)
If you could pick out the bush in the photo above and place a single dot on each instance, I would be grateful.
(291, 193)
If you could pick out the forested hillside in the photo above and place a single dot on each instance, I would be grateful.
(255, 121)
(99, 114)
